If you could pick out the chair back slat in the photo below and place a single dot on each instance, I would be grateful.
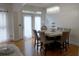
(65, 35)
(36, 35)
(42, 36)
(43, 28)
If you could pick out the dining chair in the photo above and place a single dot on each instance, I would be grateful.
(67, 34)
(37, 39)
(44, 27)
(64, 40)
(45, 43)
(59, 28)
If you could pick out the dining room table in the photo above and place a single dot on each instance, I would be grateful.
(55, 36)
(52, 33)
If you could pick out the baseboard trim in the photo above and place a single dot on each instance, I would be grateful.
(13, 40)
(75, 43)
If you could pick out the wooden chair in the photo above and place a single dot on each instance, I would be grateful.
(43, 28)
(37, 39)
(64, 41)
(67, 34)
(45, 43)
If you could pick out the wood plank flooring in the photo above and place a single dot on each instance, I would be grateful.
(27, 48)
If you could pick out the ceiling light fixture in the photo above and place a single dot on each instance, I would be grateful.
(53, 9)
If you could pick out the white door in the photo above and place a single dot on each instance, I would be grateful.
(27, 26)
(37, 23)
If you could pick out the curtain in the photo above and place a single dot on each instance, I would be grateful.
(4, 34)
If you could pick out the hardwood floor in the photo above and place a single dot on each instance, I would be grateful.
(27, 48)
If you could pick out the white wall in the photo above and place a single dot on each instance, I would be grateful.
(17, 18)
(68, 17)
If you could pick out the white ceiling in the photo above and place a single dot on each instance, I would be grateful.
(47, 5)
(18, 6)
(44, 5)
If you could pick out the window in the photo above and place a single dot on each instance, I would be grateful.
(3, 27)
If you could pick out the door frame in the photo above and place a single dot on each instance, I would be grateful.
(33, 21)
(23, 22)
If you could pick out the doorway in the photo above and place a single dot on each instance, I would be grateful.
(27, 27)
(31, 22)
(37, 23)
